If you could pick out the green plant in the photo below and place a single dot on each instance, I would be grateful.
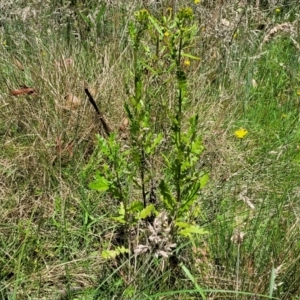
(156, 44)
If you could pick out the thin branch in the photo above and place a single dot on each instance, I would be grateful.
(103, 122)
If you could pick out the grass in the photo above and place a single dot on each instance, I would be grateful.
(54, 227)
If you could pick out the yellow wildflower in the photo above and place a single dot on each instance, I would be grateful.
(278, 10)
(241, 133)
(298, 93)
(196, 1)
(187, 62)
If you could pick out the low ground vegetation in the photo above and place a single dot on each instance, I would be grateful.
(149, 150)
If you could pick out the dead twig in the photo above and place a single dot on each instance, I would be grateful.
(102, 120)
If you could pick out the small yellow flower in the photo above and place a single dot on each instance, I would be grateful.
(187, 62)
(167, 33)
(298, 93)
(196, 1)
(241, 133)
(278, 10)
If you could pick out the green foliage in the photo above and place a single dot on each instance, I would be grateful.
(181, 179)
(111, 254)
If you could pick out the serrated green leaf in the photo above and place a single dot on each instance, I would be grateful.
(190, 198)
(154, 144)
(146, 212)
(122, 250)
(186, 164)
(193, 229)
(136, 206)
(203, 180)
(121, 210)
(100, 184)
(167, 197)
(166, 160)
(182, 224)
(119, 219)
(102, 144)
(109, 254)
(197, 147)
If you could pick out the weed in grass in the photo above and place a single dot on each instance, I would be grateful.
(179, 182)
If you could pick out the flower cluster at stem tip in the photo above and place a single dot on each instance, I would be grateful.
(142, 15)
(185, 13)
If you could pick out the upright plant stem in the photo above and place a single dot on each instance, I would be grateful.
(178, 125)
